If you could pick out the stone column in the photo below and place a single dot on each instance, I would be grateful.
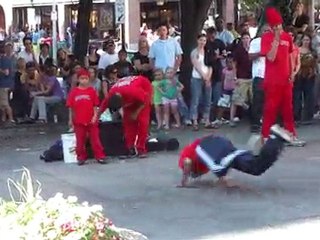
(61, 18)
(132, 24)
(228, 11)
(7, 8)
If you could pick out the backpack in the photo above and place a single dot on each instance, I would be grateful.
(54, 153)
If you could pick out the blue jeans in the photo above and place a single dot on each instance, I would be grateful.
(200, 92)
(183, 108)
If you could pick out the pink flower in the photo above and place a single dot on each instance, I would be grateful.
(67, 227)
(100, 226)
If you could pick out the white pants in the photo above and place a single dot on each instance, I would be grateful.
(39, 104)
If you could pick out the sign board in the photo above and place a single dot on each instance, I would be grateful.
(54, 16)
(120, 11)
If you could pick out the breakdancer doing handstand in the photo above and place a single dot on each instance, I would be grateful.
(218, 155)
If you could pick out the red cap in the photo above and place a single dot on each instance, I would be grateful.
(83, 72)
(273, 17)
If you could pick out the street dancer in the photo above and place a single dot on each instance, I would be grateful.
(134, 95)
(277, 46)
(218, 155)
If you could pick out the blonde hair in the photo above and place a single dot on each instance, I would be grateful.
(141, 39)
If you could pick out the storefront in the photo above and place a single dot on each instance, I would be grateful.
(101, 18)
(153, 13)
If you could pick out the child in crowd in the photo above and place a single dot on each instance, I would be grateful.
(95, 81)
(83, 117)
(170, 88)
(229, 78)
(124, 67)
(157, 96)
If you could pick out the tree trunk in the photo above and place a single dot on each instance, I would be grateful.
(83, 28)
(193, 15)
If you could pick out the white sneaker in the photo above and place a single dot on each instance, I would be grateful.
(217, 123)
(297, 142)
(236, 119)
(188, 122)
(282, 133)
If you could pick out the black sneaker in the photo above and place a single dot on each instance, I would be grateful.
(81, 162)
(132, 153)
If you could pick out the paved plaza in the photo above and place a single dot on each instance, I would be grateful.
(141, 194)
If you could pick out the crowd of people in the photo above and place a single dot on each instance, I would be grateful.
(227, 80)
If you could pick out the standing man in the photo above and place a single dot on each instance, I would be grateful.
(215, 53)
(6, 82)
(277, 46)
(166, 51)
(134, 95)
(108, 58)
(222, 33)
(28, 54)
(258, 71)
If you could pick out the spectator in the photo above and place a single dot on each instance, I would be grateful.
(124, 67)
(229, 81)
(166, 51)
(110, 57)
(140, 59)
(32, 78)
(157, 96)
(170, 88)
(300, 19)
(223, 34)
(215, 52)
(201, 80)
(92, 60)
(304, 83)
(6, 83)
(27, 54)
(95, 81)
(72, 80)
(44, 53)
(258, 69)
(52, 93)
(21, 95)
(111, 77)
(231, 29)
(243, 91)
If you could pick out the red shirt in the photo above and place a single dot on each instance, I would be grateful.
(277, 72)
(135, 90)
(189, 151)
(82, 102)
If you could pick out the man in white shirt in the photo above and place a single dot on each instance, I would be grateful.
(223, 34)
(108, 58)
(27, 54)
(166, 51)
(258, 71)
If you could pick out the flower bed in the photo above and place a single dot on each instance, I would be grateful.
(58, 218)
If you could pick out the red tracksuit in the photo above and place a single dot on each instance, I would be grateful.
(135, 91)
(277, 85)
(82, 103)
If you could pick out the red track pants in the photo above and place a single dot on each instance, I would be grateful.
(278, 99)
(136, 130)
(82, 132)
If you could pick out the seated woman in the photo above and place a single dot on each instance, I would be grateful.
(51, 93)
(111, 77)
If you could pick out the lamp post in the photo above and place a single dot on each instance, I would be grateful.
(54, 18)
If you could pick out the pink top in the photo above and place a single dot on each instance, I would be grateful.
(229, 78)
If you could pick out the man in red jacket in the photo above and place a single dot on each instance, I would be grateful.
(134, 95)
(277, 46)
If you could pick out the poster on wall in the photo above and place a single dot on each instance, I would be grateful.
(120, 11)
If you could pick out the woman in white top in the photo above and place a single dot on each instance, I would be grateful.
(200, 84)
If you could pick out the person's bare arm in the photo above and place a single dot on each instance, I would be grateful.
(177, 62)
(152, 63)
(70, 118)
(254, 56)
(186, 173)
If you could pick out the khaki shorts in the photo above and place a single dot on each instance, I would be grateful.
(4, 97)
(242, 94)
